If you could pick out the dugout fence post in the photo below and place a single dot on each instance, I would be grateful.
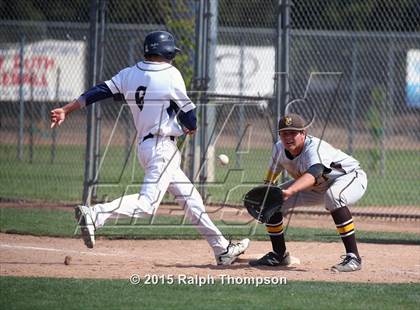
(354, 91)
(126, 113)
(389, 105)
(200, 85)
(31, 117)
(21, 100)
(208, 148)
(98, 109)
(202, 166)
(91, 114)
(196, 85)
(53, 151)
(281, 78)
(241, 93)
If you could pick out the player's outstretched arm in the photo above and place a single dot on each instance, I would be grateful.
(59, 115)
(305, 181)
(308, 179)
(94, 94)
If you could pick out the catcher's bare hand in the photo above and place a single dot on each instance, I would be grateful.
(287, 193)
(57, 117)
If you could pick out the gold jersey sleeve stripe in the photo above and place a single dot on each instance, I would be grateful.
(271, 176)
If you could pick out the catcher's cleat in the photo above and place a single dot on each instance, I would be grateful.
(272, 259)
(87, 226)
(232, 252)
(350, 263)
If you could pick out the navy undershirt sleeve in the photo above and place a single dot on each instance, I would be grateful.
(188, 119)
(96, 93)
(316, 170)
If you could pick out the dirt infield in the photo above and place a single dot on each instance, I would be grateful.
(30, 256)
(118, 259)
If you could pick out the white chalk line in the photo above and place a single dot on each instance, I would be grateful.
(21, 247)
(404, 271)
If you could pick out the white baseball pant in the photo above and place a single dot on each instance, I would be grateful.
(161, 159)
(344, 191)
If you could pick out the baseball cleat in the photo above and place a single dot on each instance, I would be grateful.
(232, 252)
(350, 263)
(87, 226)
(272, 259)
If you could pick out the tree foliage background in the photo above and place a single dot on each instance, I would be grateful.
(359, 15)
(178, 16)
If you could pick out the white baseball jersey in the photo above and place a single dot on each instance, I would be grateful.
(154, 91)
(150, 98)
(315, 151)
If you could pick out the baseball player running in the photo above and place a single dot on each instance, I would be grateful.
(322, 175)
(162, 111)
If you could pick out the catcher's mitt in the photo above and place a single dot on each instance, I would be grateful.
(263, 201)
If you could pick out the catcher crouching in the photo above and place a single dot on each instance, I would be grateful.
(321, 174)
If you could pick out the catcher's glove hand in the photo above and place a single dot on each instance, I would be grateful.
(263, 201)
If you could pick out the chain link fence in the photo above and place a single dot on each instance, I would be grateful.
(49, 54)
(353, 65)
(353, 75)
(42, 64)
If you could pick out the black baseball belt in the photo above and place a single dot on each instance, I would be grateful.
(149, 136)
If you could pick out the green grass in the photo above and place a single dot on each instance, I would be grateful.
(61, 223)
(48, 293)
(400, 185)
(63, 180)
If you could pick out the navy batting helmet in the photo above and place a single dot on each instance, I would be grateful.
(160, 43)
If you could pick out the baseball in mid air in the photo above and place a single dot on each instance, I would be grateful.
(223, 159)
